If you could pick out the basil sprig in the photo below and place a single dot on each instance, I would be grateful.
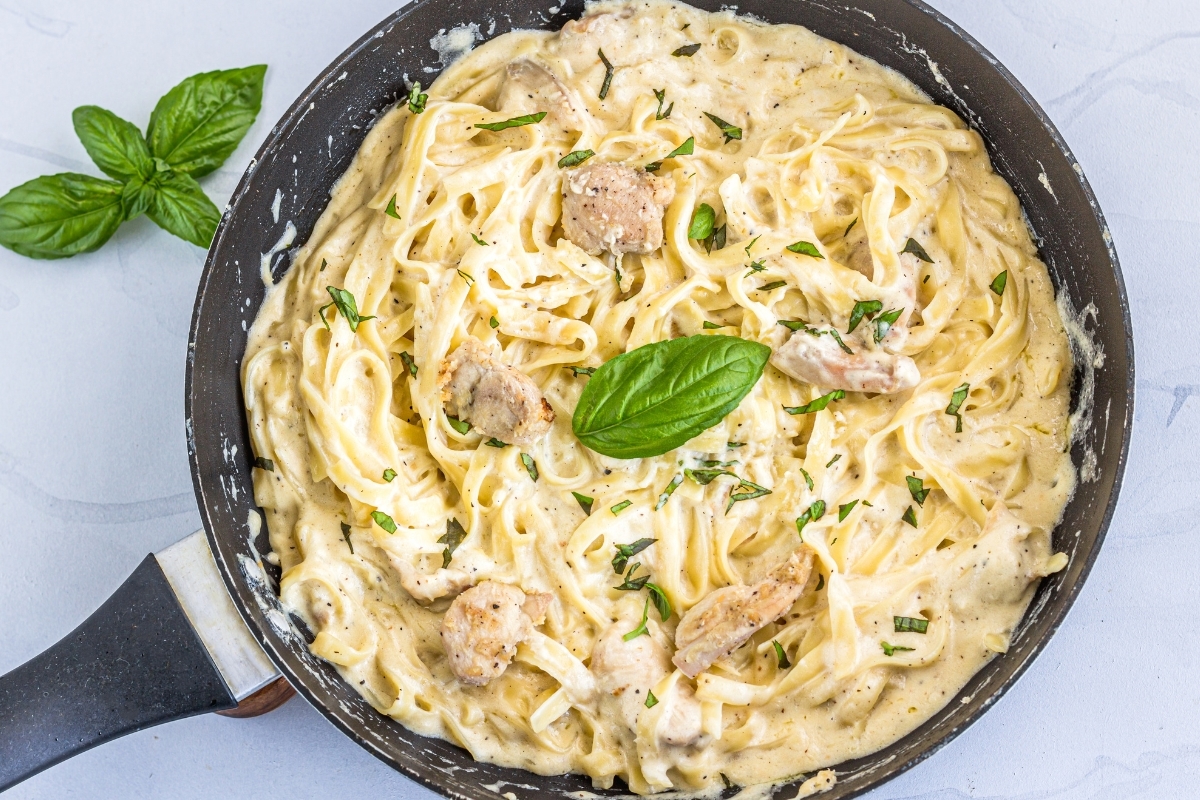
(730, 132)
(193, 129)
(653, 399)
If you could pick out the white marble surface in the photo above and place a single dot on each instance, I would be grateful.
(93, 470)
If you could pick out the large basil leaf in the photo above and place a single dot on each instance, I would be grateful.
(116, 145)
(180, 206)
(198, 124)
(56, 216)
(653, 399)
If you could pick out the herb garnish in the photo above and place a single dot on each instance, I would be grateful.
(735, 462)
(608, 74)
(389, 475)
(494, 442)
(755, 491)
(797, 325)
(914, 248)
(805, 249)
(716, 241)
(706, 476)
(910, 516)
(661, 96)
(701, 226)
(630, 583)
(731, 131)
(407, 360)
(712, 326)
(807, 478)
(641, 628)
(324, 264)
(848, 227)
(818, 404)
(956, 400)
(384, 521)
(811, 514)
(686, 149)
(479, 241)
(585, 503)
(735, 445)
(863, 309)
(577, 371)
(836, 458)
(391, 209)
(515, 122)
(999, 283)
(624, 551)
(910, 624)
(781, 654)
(883, 323)
(687, 51)
(344, 301)
(889, 649)
(575, 158)
(417, 99)
(666, 495)
(844, 510)
(820, 582)
(916, 489)
(773, 285)
(462, 426)
(452, 538)
(621, 506)
(466, 277)
(346, 536)
(264, 463)
(493, 323)
(530, 466)
(651, 700)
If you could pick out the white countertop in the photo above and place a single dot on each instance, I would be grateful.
(93, 467)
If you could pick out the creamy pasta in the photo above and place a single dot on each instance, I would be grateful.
(885, 492)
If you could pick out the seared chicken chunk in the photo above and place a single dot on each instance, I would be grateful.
(613, 207)
(820, 360)
(498, 400)
(530, 87)
(722, 621)
(484, 625)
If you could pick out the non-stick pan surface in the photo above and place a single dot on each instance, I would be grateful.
(313, 144)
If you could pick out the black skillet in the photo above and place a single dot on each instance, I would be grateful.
(137, 662)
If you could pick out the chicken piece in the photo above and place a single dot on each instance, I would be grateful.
(484, 625)
(498, 400)
(614, 207)
(626, 671)
(821, 361)
(530, 87)
(723, 620)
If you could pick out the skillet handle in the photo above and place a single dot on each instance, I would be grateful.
(136, 662)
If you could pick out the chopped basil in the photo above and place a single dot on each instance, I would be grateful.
(756, 266)
(889, 649)
(848, 227)
(577, 371)
(926, 279)
(621, 506)
(389, 475)
(755, 491)
(781, 654)
(344, 302)
(494, 323)
(666, 495)
(768, 287)
(712, 326)
(701, 226)
(836, 458)
(608, 74)
(391, 209)
(575, 158)
(686, 149)
(641, 628)
(651, 700)
(455, 533)
(913, 248)
(720, 463)
(863, 309)
(706, 476)
(999, 283)
(883, 323)
(811, 514)
(916, 489)
(530, 466)
(617, 276)
(792, 325)
(661, 96)
(716, 241)
(805, 249)
(462, 426)
(731, 131)
(910, 624)
(632, 584)
(868, 504)
(820, 582)
(807, 478)
(417, 99)
(346, 536)
(624, 551)
(735, 445)
(910, 516)
(687, 51)
(466, 277)
(515, 122)
(585, 503)
(494, 442)
(264, 463)
(956, 400)
(324, 264)
(384, 521)
(407, 360)
(661, 603)
(479, 241)
(818, 404)
(844, 510)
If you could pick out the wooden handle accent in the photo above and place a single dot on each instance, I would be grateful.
(268, 698)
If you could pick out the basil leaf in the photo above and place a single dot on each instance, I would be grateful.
(137, 195)
(808, 481)
(910, 516)
(264, 463)
(844, 510)
(915, 488)
(702, 222)
(717, 240)
(409, 364)
(458, 424)
(999, 283)
(686, 149)
(811, 514)
(391, 209)
(179, 206)
(624, 551)
(706, 476)
(57, 216)
(530, 466)
(621, 506)
(661, 96)
(756, 491)
(384, 521)
(661, 603)
(687, 51)
(575, 158)
(114, 144)
(781, 655)
(889, 649)
(515, 122)
(849, 227)
(641, 628)
(914, 248)
(349, 309)
(199, 123)
(608, 75)
(817, 404)
(792, 325)
(417, 99)
(632, 584)
(863, 308)
(577, 371)
(883, 323)
(651, 700)
(910, 624)
(452, 538)
(481, 243)
(834, 460)
(493, 323)
(712, 326)
(956, 400)
(585, 503)
(346, 536)
(772, 286)
(666, 494)
(389, 475)
(653, 399)
(820, 582)
(806, 249)
(731, 131)
(494, 442)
